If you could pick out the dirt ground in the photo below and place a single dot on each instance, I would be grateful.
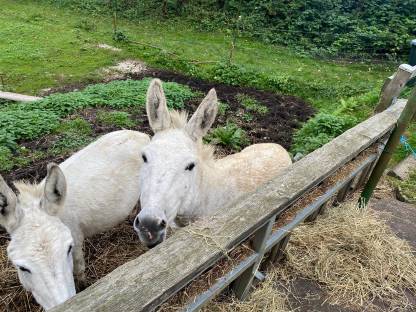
(285, 114)
(309, 296)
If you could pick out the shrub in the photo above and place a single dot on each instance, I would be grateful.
(319, 130)
(230, 135)
(118, 119)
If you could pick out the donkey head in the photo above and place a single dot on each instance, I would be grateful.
(171, 173)
(41, 245)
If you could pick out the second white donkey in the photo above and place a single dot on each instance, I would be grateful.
(181, 178)
(90, 192)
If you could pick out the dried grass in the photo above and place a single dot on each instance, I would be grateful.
(356, 256)
(266, 297)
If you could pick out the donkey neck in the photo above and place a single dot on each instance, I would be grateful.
(217, 187)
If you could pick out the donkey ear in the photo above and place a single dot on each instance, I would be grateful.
(202, 120)
(8, 215)
(156, 108)
(55, 190)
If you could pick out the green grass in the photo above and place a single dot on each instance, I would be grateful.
(118, 119)
(46, 46)
(78, 126)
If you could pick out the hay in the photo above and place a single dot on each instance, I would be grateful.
(266, 297)
(356, 256)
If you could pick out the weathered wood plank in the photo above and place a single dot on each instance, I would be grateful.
(142, 284)
(18, 97)
(394, 85)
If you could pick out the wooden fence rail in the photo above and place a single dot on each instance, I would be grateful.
(151, 279)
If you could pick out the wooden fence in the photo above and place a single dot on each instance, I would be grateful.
(145, 283)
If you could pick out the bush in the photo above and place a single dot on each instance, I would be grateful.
(230, 136)
(320, 130)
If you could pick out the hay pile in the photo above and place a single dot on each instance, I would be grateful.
(356, 256)
(266, 297)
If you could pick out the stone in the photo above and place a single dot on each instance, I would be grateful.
(403, 169)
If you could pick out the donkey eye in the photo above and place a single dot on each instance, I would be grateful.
(23, 269)
(190, 166)
(163, 223)
(144, 158)
(69, 250)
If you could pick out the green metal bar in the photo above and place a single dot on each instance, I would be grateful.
(412, 61)
(412, 54)
(404, 119)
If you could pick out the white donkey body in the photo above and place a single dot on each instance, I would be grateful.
(90, 192)
(181, 178)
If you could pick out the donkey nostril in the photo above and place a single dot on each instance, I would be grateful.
(163, 224)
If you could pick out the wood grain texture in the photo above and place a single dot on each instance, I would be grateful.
(394, 85)
(144, 283)
(18, 97)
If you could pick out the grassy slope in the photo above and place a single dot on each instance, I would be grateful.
(63, 52)
(44, 46)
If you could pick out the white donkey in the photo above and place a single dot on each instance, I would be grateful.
(90, 192)
(181, 178)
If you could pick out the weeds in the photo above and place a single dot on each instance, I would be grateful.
(251, 104)
(117, 119)
(230, 135)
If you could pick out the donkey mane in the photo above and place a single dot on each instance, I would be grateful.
(178, 121)
(28, 191)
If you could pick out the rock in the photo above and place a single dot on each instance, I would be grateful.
(108, 47)
(297, 157)
(403, 168)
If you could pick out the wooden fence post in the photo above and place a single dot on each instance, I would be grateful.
(394, 139)
(242, 284)
(394, 85)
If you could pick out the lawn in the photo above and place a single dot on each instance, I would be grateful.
(45, 46)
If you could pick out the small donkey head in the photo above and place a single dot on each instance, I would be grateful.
(170, 175)
(41, 245)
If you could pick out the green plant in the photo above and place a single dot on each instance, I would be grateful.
(118, 119)
(6, 159)
(247, 117)
(407, 187)
(77, 125)
(86, 24)
(319, 130)
(222, 108)
(69, 142)
(251, 104)
(230, 135)
(26, 121)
